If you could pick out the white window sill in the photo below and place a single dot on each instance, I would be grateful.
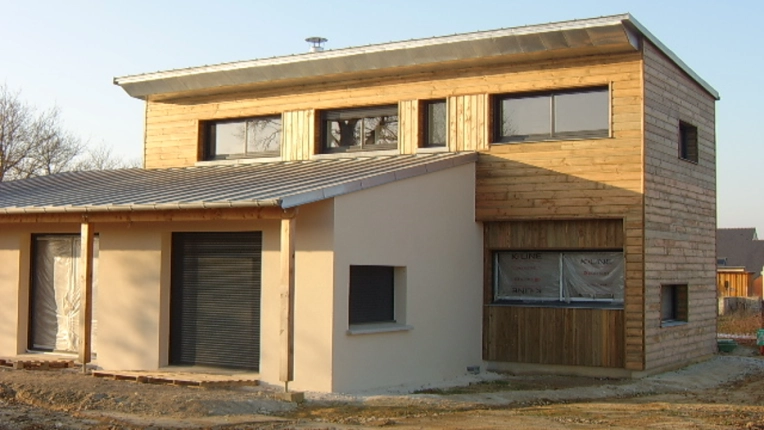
(378, 328)
(431, 149)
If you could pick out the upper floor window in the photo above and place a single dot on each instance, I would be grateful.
(364, 129)
(435, 127)
(688, 142)
(557, 115)
(243, 137)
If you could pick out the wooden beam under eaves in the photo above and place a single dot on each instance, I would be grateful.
(232, 214)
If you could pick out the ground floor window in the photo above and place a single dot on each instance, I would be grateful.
(55, 293)
(558, 276)
(377, 295)
(673, 304)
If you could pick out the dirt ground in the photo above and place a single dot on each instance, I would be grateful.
(724, 392)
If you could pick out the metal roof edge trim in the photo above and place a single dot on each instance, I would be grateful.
(374, 48)
(630, 20)
(381, 178)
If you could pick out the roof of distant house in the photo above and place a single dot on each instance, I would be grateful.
(608, 34)
(740, 247)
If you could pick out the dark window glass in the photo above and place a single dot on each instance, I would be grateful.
(246, 137)
(372, 294)
(435, 123)
(557, 115)
(674, 303)
(364, 129)
(688, 142)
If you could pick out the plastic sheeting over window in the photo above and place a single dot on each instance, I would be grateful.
(55, 316)
(558, 276)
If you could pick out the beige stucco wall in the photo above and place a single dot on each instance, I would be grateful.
(15, 262)
(427, 225)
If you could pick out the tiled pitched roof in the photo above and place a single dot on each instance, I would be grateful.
(282, 184)
(739, 247)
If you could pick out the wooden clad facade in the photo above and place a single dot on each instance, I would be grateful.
(627, 191)
(680, 212)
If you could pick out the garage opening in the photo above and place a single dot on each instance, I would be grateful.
(55, 294)
(215, 299)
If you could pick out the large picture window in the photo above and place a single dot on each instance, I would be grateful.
(558, 276)
(365, 129)
(243, 138)
(559, 115)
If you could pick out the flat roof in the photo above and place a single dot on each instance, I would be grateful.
(284, 184)
(605, 34)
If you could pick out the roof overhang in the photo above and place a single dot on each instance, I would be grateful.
(611, 34)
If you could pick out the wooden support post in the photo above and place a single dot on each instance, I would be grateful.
(85, 284)
(286, 332)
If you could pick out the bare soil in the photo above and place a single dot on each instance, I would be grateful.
(724, 392)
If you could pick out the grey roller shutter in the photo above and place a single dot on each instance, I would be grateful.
(215, 299)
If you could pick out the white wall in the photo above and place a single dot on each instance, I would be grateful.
(427, 225)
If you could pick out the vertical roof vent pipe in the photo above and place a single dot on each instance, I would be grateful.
(316, 43)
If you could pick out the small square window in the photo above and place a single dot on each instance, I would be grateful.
(372, 294)
(674, 303)
(242, 138)
(688, 142)
(435, 130)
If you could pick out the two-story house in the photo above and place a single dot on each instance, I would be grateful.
(538, 198)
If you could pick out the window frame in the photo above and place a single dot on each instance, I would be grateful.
(397, 301)
(209, 141)
(363, 114)
(498, 115)
(688, 142)
(560, 300)
(676, 312)
(427, 121)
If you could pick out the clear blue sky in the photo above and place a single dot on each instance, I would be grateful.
(67, 52)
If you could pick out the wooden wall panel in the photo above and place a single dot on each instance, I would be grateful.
(559, 235)
(468, 122)
(562, 336)
(408, 126)
(734, 284)
(298, 134)
(680, 212)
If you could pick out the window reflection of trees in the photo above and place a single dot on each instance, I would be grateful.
(361, 132)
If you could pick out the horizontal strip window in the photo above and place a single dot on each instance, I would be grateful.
(558, 277)
(364, 129)
(559, 115)
(242, 138)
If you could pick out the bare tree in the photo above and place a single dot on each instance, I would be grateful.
(36, 143)
(102, 158)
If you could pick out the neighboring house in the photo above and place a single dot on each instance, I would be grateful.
(740, 262)
(538, 198)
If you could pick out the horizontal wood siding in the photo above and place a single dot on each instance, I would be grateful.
(172, 125)
(579, 179)
(562, 336)
(680, 212)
